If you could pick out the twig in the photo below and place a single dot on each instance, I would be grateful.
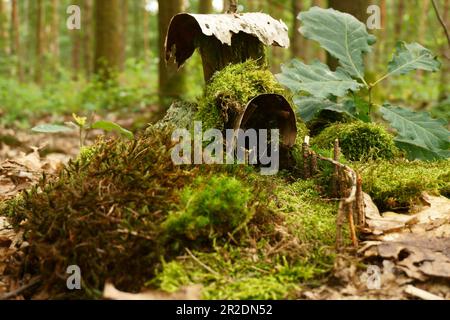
(422, 294)
(352, 224)
(441, 20)
(201, 263)
(335, 188)
(21, 289)
(305, 152)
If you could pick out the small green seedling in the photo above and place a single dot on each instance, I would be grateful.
(84, 127)
(316, 87)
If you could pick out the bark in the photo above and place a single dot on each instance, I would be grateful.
(205, 6)
(357, 8)
(108, 33)
(171, 82)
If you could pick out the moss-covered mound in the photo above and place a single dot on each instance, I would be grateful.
(231, 89)
(116, 213)
(398, 185)
(123, 212)
(358, 141)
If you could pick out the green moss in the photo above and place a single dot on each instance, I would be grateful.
(297, 252)
(231, 89)
(210, 207)
(398, 184)
(358, 141)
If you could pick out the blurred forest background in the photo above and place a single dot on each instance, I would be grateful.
(49, 71)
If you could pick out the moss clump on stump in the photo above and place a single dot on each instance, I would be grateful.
(358, 141)
(231, 89)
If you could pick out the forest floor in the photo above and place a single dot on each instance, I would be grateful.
(418, 244)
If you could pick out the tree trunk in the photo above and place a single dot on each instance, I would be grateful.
(298, 46)
(39, 42)
(108, 34)
(319, 52)
(205, 6)
(15, 38)
(445, 72)
(54, 33)
(3, 28)
(145, 33)
(124, 31)
(400, 11)
(76, 49)
(277, 53)
(87, 37)
(137, 39)
(357, 8)
(171, 82)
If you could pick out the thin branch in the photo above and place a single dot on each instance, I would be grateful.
(21, 289)
(201, 263)
(441, 20)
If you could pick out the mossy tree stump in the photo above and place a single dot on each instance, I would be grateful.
(231, 39)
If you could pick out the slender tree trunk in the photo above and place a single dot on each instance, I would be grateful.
(3, 30)
(39, 42)
(171, 82)
(357, 8)
(277, 52)
(54, 33)
(87, 37)
(400, 11)
(423, 22)
(76, 49)
(108, 35)
(299, 45)
(124, 31)
(137, 39)
(205, 6)
(145, 33)
(15, 38)
(382, 44)
(444, 86)
(319, 52)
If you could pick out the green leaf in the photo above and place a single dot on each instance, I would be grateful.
(341, 34)
(316, 79)
(51, 128)
(111, 126)
(308, 108)
(410, 57)
(421, 136)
